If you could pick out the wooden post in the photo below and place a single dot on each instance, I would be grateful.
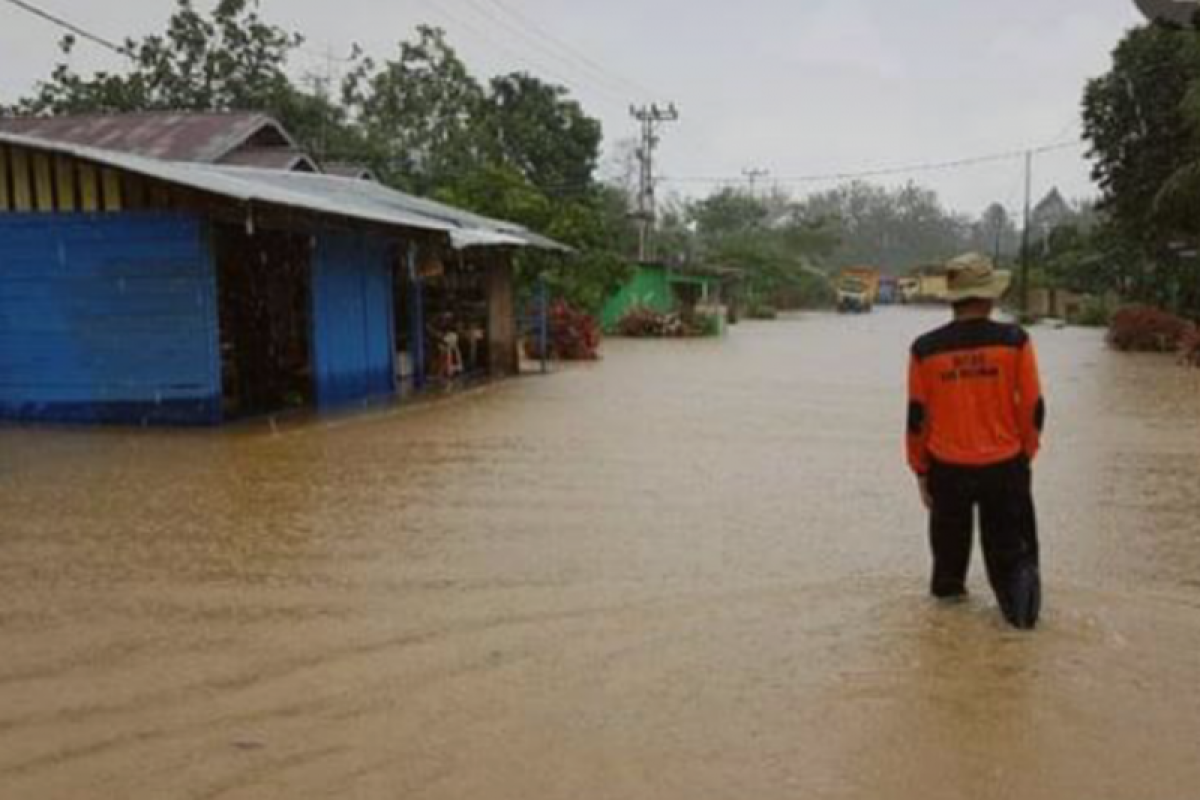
(502, 318)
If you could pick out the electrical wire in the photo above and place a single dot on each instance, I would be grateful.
(79, 31)
(575, 54)
(910, 169)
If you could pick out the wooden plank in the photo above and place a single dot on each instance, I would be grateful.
(5, 200)
(89, 189)
(43, 183)
(134, 188)
(111, 180)
(22, 185)
(64, 174)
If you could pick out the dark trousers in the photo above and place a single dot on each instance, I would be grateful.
(1003, 493)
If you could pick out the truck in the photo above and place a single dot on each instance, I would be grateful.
(857, 290)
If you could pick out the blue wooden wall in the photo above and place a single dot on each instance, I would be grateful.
(353, 320)
(107, 318)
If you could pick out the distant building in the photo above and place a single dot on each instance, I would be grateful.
(1051, 213)
(670, 290)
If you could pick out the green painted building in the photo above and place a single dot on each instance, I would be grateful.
(670, 290)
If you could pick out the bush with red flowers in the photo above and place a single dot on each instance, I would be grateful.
(1147, 329)
(573, 335)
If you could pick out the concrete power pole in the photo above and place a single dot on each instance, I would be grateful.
(1025, 241)
(753, 176)
(651, 118)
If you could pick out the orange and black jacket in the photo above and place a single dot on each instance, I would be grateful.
(974, 396)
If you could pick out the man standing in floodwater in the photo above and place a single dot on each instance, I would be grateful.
(975, 419)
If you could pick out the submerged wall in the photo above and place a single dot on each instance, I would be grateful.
(107, 318)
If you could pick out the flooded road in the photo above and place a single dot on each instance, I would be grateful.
(694, 571)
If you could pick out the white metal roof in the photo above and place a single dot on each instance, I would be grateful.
(324, 194)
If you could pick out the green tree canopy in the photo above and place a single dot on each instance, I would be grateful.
(1143, 121)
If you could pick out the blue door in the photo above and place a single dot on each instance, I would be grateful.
(353, 327)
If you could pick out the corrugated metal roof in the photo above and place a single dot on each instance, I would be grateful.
(347, 170)
(505, 232)
(324, 194)
(282, 158)
(168, 135)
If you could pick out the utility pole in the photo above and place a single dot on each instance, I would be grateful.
(651, 118)
(1025, 232)
(753, 176)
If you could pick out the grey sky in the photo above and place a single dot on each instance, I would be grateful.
(794, 86)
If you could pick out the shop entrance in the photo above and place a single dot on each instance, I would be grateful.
(264, 284)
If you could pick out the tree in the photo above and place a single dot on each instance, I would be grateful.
(536, 128)
(419, 114)
(770, 241)
(229, 60)
(996, 234)
(1142, 121)
(892, 229)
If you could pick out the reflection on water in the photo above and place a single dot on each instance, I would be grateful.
(691, 571)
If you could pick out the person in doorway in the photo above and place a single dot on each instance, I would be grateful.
(975, 420)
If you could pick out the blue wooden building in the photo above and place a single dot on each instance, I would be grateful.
(140, 291)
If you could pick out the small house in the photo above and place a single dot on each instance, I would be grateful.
(671, 290)
(140, 290)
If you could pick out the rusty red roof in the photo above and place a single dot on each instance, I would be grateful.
(203, 137)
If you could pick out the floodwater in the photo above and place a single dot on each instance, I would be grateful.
(693, 571)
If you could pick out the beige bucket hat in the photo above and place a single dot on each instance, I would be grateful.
(974, 277)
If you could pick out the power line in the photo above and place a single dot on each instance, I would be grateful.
(911, 169)
(554, 56)
(81, 32)
(574, 53)
(615, 100)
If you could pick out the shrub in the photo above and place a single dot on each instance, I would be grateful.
(573, 335)
(1146, 329)
(707, 324)
(1190, 346)
(762, 311)
(643, 322)
(1094, 313)
(646, 323)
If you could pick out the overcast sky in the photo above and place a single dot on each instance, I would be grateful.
(798, 87)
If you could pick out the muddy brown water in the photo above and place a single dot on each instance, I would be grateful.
(692, 571)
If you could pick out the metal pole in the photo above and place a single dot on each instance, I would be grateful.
(417, 319)
(544, 323)
(1025, 233)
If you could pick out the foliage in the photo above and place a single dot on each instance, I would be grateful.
(419, 113)
(890, 229)
(231, 59)
(1096, 312)
(1143, 121)
(1141, 328)
(1189, 348)
(574, 335)
(769, 240)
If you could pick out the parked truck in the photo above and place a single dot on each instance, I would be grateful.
(857, 290)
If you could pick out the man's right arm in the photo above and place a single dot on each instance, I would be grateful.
(917, 438)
